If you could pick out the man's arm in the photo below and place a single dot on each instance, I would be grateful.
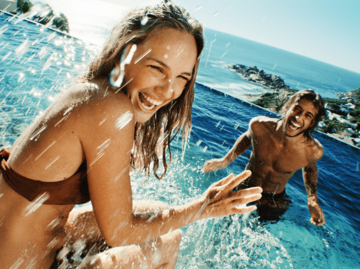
(310, 175)
(240, 146)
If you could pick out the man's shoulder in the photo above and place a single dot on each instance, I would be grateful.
(315, 150)
(262, 122)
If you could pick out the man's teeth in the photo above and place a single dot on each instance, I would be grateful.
(150, 100)
(294, 124)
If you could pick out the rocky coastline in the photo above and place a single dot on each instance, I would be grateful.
(41, 13)
(342, 118)
(253, 74)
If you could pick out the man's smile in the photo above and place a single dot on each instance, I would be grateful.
(294, 125)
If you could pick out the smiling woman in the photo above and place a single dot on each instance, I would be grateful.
(82, 147)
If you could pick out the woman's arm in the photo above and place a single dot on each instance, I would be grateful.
(107, 149)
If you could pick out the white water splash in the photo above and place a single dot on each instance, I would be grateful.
(33, 206)
(103, 146)
(123, 120)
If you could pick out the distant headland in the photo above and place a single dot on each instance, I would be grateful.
(39, 12)
(342, 118)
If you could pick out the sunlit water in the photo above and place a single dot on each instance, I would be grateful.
(36, 65)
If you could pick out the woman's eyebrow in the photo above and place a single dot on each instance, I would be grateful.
(166, 66)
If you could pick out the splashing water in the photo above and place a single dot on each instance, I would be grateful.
(37, 133)
(18, 263)
(34, 205)
(209, 52)
(123, 120)
(52, 162)
(123, 62)
(142, 56)
(103, 146)
(229, 242)
(19, 51)
(144, 20)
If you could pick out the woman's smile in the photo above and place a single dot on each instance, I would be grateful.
(162, 74)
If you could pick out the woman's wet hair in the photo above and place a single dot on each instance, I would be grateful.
(134, 28)
(318, 102)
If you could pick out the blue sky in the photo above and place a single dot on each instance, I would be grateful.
(326, 30)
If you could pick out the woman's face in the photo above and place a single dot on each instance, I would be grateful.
(159, 71)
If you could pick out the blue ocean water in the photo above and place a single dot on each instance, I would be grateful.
(297, 71)
(36, 65)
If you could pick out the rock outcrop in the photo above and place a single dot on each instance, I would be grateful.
(253, 74)
(350, 97)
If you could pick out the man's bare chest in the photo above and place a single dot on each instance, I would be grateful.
(283, 159)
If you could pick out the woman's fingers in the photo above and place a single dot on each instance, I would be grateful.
(238, 179)
(245, 200)
(224, 180)
(248, 191)
(242, 210)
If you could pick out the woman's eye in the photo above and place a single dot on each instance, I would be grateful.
(156, 67)
(186, 79)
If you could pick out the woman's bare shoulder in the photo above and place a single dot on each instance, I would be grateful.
(94, 100)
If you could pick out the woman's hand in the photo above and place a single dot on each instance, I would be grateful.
(220, 200)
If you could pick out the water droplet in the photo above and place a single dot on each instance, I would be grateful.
(122, 121)
(34, 205)
(37, 132)
(21, 76)
(123, 62)
(144, 20)
(20, 50)
(6, 56)
(103, 146)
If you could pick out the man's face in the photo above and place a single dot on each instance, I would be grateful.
(299, 117)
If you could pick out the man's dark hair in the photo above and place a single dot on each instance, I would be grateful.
(318, 102)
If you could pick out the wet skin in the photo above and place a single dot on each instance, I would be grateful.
(93, 119)
(278, 150)
(77, 138)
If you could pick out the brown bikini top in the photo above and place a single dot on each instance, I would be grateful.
(73, 190)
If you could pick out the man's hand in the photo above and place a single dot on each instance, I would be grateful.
(317, 215)
(214, 164)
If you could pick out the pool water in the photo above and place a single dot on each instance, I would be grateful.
(37, 64)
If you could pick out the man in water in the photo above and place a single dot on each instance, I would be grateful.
(280, 147)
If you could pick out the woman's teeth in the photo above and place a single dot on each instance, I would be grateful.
(152, 102)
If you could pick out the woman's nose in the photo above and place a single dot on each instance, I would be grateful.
(166, 89)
